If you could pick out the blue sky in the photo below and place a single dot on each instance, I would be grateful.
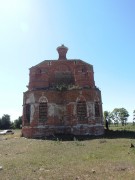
(100, 32)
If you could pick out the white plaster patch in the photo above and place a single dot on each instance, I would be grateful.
(30, 98)
(56, 110)
(90, 109)
(51, 107)
(59, 111)
(43, 99)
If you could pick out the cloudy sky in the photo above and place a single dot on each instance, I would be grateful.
(100, 32)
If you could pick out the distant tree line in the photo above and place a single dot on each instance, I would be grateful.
(5, 122)
(117, 116)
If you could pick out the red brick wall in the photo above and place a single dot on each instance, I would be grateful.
(45, 80)
(43, 75)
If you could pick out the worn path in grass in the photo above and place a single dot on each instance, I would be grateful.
(94, 159)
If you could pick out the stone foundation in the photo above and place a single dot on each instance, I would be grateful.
(44, 131)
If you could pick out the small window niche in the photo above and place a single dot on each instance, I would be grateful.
(81, 110)
(43, 111)
(43, 108)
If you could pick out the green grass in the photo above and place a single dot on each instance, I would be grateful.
(128, 127)
(102, 158)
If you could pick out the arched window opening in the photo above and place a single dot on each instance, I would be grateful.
(28, 112)
(97, 110)
(81, 110)
(43, 111)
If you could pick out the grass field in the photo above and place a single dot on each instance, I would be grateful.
(102, 158)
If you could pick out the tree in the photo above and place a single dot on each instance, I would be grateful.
(18, 122)
(5, 122)
(123, 116)
(107, 117)
(115, 116)
(120, 115)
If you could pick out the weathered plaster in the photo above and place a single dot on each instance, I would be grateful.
(43, 99)
(32, 112)
(30, 98)
(51, 109)
(90, 109)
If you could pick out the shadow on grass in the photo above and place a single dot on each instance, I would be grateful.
(119, 134)
(109, 134)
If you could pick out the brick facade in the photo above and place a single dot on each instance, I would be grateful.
(62, 99)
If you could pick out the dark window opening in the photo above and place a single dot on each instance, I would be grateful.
(49, 63)
(81, 110)
(64, 77)
(43, 112)
(28, 112)
(83, 70)
(97, 110)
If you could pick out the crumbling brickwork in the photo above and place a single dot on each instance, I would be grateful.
(62, 99)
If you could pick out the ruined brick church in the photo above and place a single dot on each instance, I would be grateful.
(62, 99)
